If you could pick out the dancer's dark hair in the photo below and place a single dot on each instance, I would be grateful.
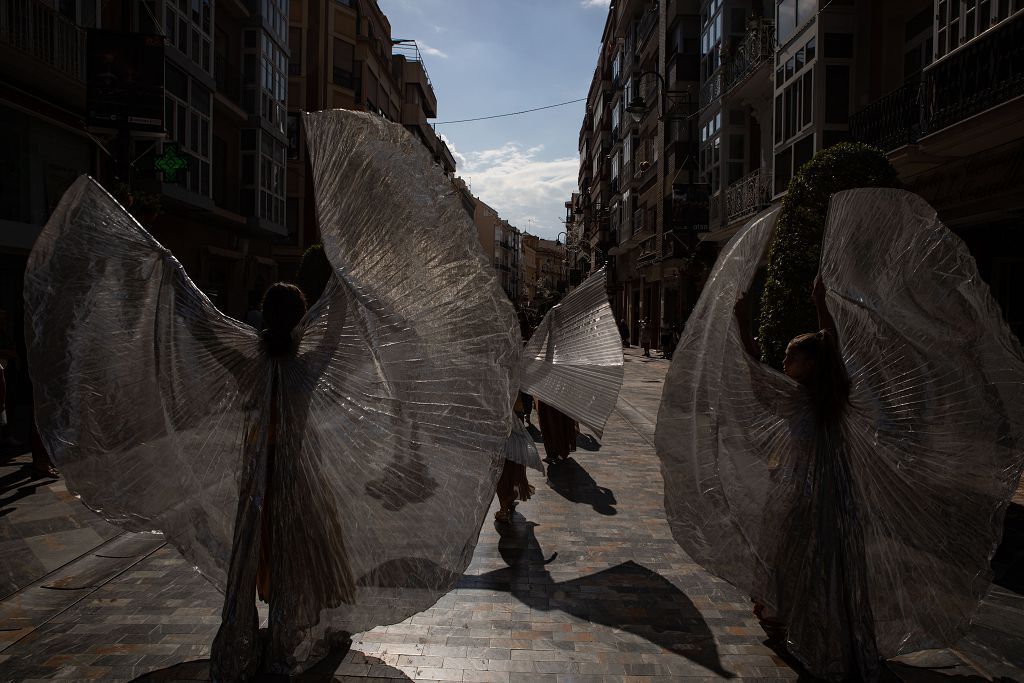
(283, 306)
(828, 383)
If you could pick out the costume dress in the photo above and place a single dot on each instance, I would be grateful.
(391, 413)
(870, 536)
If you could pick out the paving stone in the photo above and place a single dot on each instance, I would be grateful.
(587, 585)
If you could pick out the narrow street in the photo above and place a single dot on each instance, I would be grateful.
(587, 585)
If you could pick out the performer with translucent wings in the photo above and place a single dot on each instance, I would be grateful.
(358, 442)
(867, 529)
(573, 363)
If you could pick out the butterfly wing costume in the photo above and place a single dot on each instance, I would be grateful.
(573, 361)
(870, 537)
(373, 449)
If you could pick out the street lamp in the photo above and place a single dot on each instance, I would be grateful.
(638, 106)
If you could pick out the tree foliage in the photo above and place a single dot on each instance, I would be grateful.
(793, 255)
(314, 273)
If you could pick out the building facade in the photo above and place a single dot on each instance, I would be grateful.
(502, 244)
(343, 56)
(951, 121)
(934, 83)
(641, 199)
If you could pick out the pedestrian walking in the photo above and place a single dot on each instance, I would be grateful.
(624, 332)
(645, 336)
(877, 467)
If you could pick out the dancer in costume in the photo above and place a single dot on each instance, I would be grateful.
(572, 361)
(862, 520)
(360, 440)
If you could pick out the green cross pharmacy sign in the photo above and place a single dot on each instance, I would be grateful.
(170, 162)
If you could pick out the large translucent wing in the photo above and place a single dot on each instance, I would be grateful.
(574, 360)
(398, 403)
(724, 422)
(143, 390)
(935, 434)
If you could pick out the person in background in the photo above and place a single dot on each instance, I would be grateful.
(624, 332)
(645, 336)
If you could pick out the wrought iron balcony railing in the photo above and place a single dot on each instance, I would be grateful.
(891, 121)
(982, 74)
(757, 48)
(712, 89)
(748, 195)
(40, 32)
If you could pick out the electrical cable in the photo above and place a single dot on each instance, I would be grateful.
(514, 113)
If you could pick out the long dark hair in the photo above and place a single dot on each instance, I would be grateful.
(283, 307)
(829, 383)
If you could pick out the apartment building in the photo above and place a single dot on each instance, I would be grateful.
(641, 199)
(934, 83)
(502, 244)
(941, 94)
(528, 286)
(205, 95)
(344, 56)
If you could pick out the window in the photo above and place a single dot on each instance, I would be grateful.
(783, 169)
(778, 118)
(344, 61)
(808, 97)
(187, 119)
(803, 150)
(810, 48)
(295, 51)
(188, 26)
(837, 93)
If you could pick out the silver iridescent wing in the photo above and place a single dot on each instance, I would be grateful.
(904, 496)
(143, 389)
(574, 360)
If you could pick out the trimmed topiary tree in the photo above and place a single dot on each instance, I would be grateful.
(314, 273)
(786, 306)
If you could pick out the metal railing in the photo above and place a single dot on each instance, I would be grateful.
(757, 48)
(34, 28)
(748, 195)
(647, 24)
(982, 74)
(892, 121)
(712, 89)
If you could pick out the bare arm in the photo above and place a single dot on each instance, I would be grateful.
(825, 321)
(743, 317)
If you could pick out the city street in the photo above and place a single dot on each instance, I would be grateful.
(588, 585)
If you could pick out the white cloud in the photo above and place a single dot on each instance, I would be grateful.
(595, 3)
(521, 186)
(432, 51)
(460, 159)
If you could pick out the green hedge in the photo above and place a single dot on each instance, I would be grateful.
(786, 306)
(314, 273)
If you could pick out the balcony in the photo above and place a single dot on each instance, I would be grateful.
(712, 89)
(748, 195)
(33, 28)
(892, 121)
(757, 48)
(981, 75)
(647, 25)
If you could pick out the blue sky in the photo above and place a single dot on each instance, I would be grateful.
(490, 57)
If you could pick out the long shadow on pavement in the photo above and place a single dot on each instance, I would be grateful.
(199, 670)
(571, 481)
(627, 596)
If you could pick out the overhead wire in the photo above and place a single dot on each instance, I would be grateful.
(500, 116)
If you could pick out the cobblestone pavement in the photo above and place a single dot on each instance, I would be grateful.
(586, 585)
